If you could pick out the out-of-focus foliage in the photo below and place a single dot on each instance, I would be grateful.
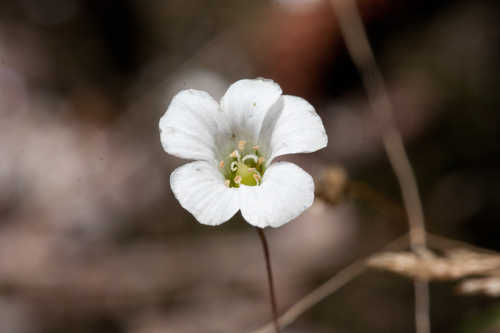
(91, 238)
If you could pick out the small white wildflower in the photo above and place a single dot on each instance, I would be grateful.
(234, 143)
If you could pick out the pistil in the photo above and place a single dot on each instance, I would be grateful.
(245, 166)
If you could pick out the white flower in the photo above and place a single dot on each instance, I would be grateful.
(234, 143)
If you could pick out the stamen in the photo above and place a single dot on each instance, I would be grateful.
(257, 178)
(252, 169)
(250, 156)
(221, 164)
(241, 145)
(227, 182)
(235, 154)
(237, 179)
(257, 172)
(256, 147)
(260, 161)
(234, 166)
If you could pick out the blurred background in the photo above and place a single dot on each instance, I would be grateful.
(91, 237)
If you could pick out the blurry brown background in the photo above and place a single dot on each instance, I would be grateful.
(91, 237)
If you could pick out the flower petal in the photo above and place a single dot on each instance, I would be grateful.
(192, 125)
(246, 103)
(296, 129)
(286, 191)
(200, 189)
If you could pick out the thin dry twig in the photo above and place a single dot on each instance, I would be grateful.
(422, 305)
(333, 284)
(362, 55)
(357, 43)
(488, 283)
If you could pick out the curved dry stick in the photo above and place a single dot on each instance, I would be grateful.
(362, 55)
(356, 40)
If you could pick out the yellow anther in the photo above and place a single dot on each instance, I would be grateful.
(221, 164)
(227, 182)
(237, 179)
(260, 161)
(235, 154)
(251, 170)
(256, 147)
(241, 145)
(257, 178)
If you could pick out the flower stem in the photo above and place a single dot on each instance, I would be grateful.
(272, 293)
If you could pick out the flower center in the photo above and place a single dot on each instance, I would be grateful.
(244, 165)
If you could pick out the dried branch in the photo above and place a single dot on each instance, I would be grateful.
(455, 264)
